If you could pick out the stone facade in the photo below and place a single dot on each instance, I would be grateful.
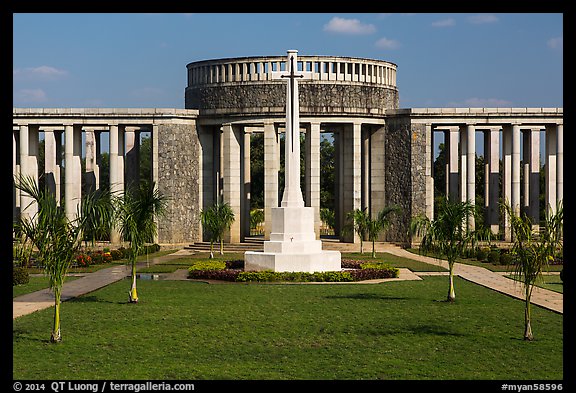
(178, 158)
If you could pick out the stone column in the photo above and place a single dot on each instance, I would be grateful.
(377, 171)
(73, 170)
(492, 169)
(271, 167)
(471, 169)
(231, 173)
(132, 139)
(312, 178)
(463, 163)
(551, 167)
(246, 183)
(352, 176)
(429, 171)
(516, 140)
(52, 161)
(507, 176)
(92, 174)
(560, 162)
(451, 152)
(116, 154)
(531, 170)
(15, 173)
(365, 169)
(28, 167)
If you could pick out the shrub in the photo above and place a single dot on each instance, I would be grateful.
(494, 256)
(294, 276)
(223, 275)
(83, 260)
(235, 264)
(482, 254)
(208, 265)
(100, 257)
(506, 258)
(20, 275)
(116, 255)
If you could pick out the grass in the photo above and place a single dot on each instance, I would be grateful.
(35, 284)
(195, 331)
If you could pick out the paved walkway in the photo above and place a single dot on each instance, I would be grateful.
(42, 299)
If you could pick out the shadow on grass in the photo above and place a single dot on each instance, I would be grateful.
(94, 299)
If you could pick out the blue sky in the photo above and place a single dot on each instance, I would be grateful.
(139, 60)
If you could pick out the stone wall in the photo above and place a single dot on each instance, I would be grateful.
(179, 174)
(316, 98)
(398, 176)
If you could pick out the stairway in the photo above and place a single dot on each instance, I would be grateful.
(255, 243)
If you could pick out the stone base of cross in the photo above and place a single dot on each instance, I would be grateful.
(292, 246)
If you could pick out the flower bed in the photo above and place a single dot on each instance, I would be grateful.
(234, 271)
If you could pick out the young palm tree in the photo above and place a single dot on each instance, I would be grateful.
(446, 235)
(97, 208)
(56, 238)
(137, 211)
(357, 222)
(216, 220)
(532, 252)
(380, 223)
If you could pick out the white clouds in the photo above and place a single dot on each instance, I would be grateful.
(556, 43)
(386, 43)
(444, 23)
(42, 72)
(348, 26)
(30, 95)
(482, 19)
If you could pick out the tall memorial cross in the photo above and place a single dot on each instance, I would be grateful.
(292, 191)
(293, 246)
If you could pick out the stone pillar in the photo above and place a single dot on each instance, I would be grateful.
(551, 167)
(132, 139)
(28, 167)
(531, 170)
(231, 173)
(429, 171)
(471, 169)
(313, 173)
(73, 170)
(92, 174)
(52, 161)
(560, 162)
(352, 198)
(492, 169)
(365, 169)
(451, 152)
(15, 174)
(338, 179)
(463, 163)
(271, 167)
(246, 184)
(507, 176)
(116, 151)
(516, 140)
(377, 172)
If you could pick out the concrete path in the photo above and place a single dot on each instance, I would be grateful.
(42, 299)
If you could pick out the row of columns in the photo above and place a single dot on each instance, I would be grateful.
(226, 170)
(460, 148)
(123, 153)
(322, 70)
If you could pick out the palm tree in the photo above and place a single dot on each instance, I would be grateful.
(216, 220)
(380, 223)
(532, 252)
(357, 222)
(56, 238)
(447, 234)
(137, 211)
(98, 209)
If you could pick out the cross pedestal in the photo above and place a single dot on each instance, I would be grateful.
(292, 246)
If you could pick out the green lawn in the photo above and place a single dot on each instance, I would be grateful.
(551, 282)
(35, 284)
(193, 331)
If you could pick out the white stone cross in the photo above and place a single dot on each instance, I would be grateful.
(292, 196)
